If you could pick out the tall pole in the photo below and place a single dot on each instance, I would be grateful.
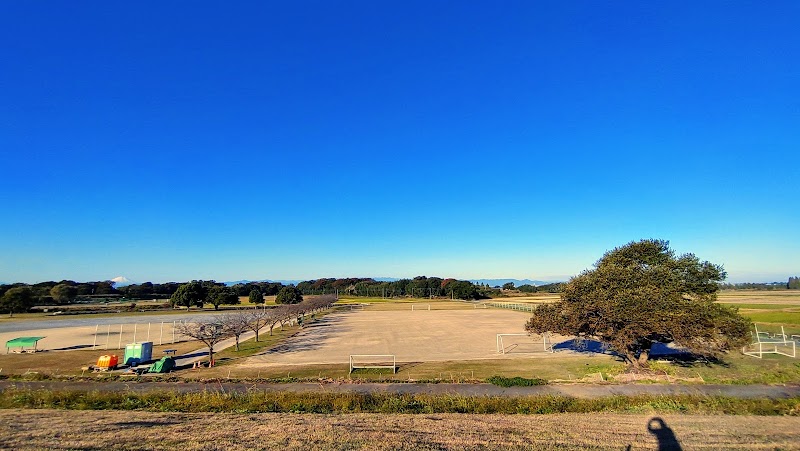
(119, 345)
(94, 345)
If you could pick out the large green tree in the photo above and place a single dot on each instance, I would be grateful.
(641, 294)
(256, 297)
(289, 295)
(17, 300)
(64, 293)
(221, 295)
(190, 294)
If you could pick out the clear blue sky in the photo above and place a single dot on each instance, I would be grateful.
(292, 140)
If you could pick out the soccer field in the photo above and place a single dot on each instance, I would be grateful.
(412, 336)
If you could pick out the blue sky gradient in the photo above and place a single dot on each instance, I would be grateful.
(294, 140)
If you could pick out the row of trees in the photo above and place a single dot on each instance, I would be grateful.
(62, 292)
(792, 284)
(213, 330)
(420, 286)
(556, 287)
(199, 292)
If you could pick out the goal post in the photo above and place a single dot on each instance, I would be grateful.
(420, 307)
(502, 347)
(373, 361)
(778, 343)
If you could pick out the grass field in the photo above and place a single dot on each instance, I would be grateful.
(777, 318)
(759, 297)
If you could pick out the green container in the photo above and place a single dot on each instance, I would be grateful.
(136, 353)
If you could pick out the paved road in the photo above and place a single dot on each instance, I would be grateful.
(571, 390)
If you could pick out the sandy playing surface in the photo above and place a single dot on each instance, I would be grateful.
(412, 336)
(108, 336)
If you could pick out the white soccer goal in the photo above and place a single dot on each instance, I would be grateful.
(373, 361)
(515, 343)
(420, 307)
(771, 344)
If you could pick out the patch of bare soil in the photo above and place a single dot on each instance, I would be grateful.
(55, 429)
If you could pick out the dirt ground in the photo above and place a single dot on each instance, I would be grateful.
(79, 332)
(55, 429)
(419, 336)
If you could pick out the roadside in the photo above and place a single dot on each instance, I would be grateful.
(581, 391)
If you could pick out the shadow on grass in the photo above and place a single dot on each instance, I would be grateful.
(72, 348)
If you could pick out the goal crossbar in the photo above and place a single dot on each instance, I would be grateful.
(374, 361)
(424, 307)
(547, 345)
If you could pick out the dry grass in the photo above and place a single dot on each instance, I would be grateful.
(551, 368)
(69, 363)
(759, 297)
(56, 429)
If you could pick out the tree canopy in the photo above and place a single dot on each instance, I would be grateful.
(17, 300)
(640, 294)
(289, 295)
(220, 294)
(190, 294)
(256, 297)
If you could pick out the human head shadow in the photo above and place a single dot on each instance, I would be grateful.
(667, 441)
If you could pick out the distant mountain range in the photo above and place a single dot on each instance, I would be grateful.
(490, 282)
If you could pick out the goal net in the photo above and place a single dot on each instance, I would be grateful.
(523, 343)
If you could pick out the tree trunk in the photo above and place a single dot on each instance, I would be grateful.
(632, 361)
(643, 356)
(210, 356)
(256, 335)
(237, 343)
(270, 329)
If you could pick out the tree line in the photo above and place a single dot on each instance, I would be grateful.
(792, 284)
(420, 286)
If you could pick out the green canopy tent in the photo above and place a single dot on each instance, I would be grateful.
(22, 342)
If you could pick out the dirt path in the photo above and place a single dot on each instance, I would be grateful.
(571, 390)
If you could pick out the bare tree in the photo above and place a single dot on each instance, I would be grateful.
(257, 319)
(210, 331)
(236, 324)
(276, 316)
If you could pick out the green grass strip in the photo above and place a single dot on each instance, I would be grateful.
(329, 403)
